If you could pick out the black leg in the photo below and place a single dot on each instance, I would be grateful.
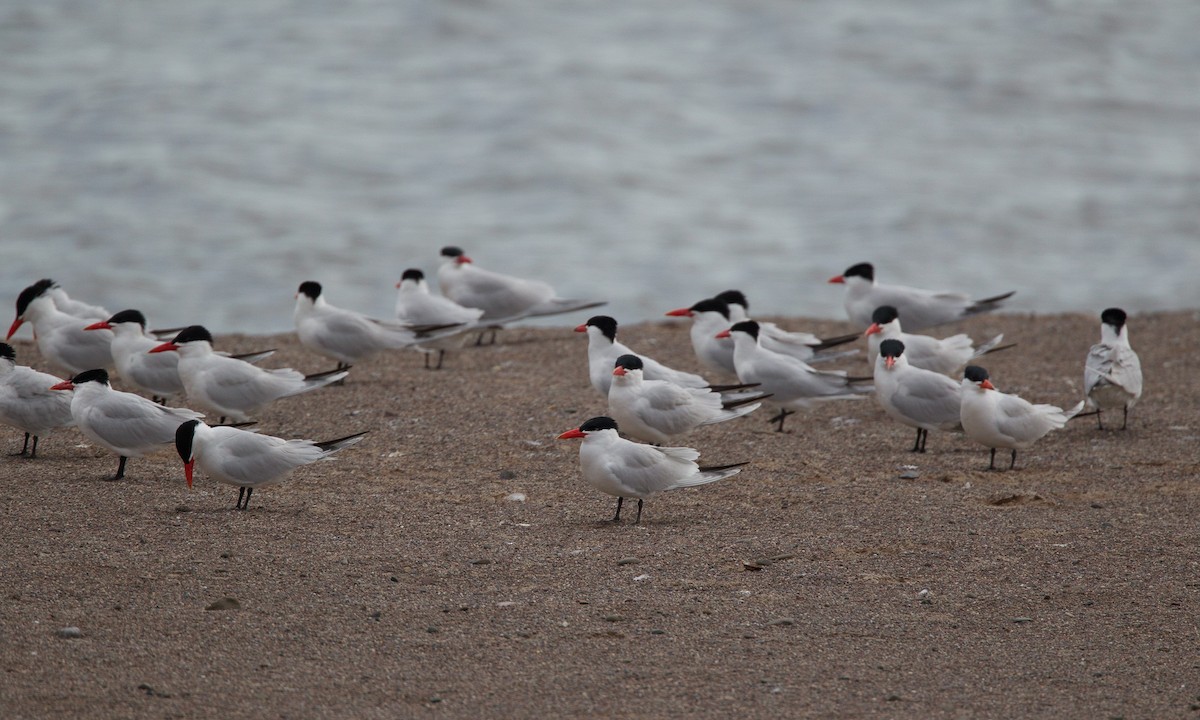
(638, 519)
(1013, 462)
(1124, 424)
(922, 438)
(221, 421)
(783, 413)
(441, 356)
(24, 448)
(1100, 419)
(992, 464)
(241, 494)
(120, 468)
(249, 492)
(617, 518)
(33, 452)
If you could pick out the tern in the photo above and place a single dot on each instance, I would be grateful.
(800, 345)
(945, 356)
(503, 298)
(124, 423)
(345, 335)
(919, 398)
(920, 308)
(791, 382)
(246, 459)
(229, 387)
(604, 349)
(656, 411)
(623, 468)
(61, 338)
(78, 308)
(157, 373)
(416, 305)
(27, 402)
(996, 420)
(709, 317)
(1112, 375)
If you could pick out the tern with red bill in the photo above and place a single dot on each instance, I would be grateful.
(918, 398)
(1112, 375)
(502, 298)
(657, 411)
(124, 423)
(920, 308)
(800, 345)
(604, 349)
(246, 459)
(228, 387)
(60, 337)
(624, 468)
(792, 383)
(945, 356)
(997, 420)
(27, 402)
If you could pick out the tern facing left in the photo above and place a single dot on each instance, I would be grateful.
(126, 424)
(61, 337)
(996, 420)
(1112, 376)
(919, 308)
(245, 459)
(623, 468)
(27, 402)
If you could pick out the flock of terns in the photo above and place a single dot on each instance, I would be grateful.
(627, 454)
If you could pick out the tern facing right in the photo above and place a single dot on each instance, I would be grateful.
(126, 424)
(27, 402)
(246, 459)
(656, 411)
(996, 420)
(1112, 376)
(623, 468)
(919, 398)
(919, 308)
(604, 349)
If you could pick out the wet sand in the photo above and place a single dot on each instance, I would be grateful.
(397, 580)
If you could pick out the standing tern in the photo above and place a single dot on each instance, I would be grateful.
(944, 356)
(1112, 375)
(126, 424)
(604, 349)
(623, 468)
(800, 345)
(245, 459)
(416, 305)
(229, 387)
(61, 337)
(919, 308)
(791, 382)
(501, 297)
(996, 420)
(656, 411)
(919, 398)
(345, 335)
(153, 373)
(27, 402)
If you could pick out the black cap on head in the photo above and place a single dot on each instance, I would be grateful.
(891, 348)
(602, 422)
(734, 297)
(862, 270)
(604, 324)
(128, 316)
(311, 288)
(100, 376)
(1114, 317)
(412, 274)
(452, 251)
(7, 352)
(32, 292)
(185, 435)
(884, 314)
(712, 305)
(974, 373)
(193, 333)
(629, 362)
(749, 327)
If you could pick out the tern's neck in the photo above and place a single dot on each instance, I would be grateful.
(1114, 336)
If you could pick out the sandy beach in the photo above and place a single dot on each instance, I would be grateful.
(399, 580)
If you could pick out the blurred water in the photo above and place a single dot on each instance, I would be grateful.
(197, 160)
